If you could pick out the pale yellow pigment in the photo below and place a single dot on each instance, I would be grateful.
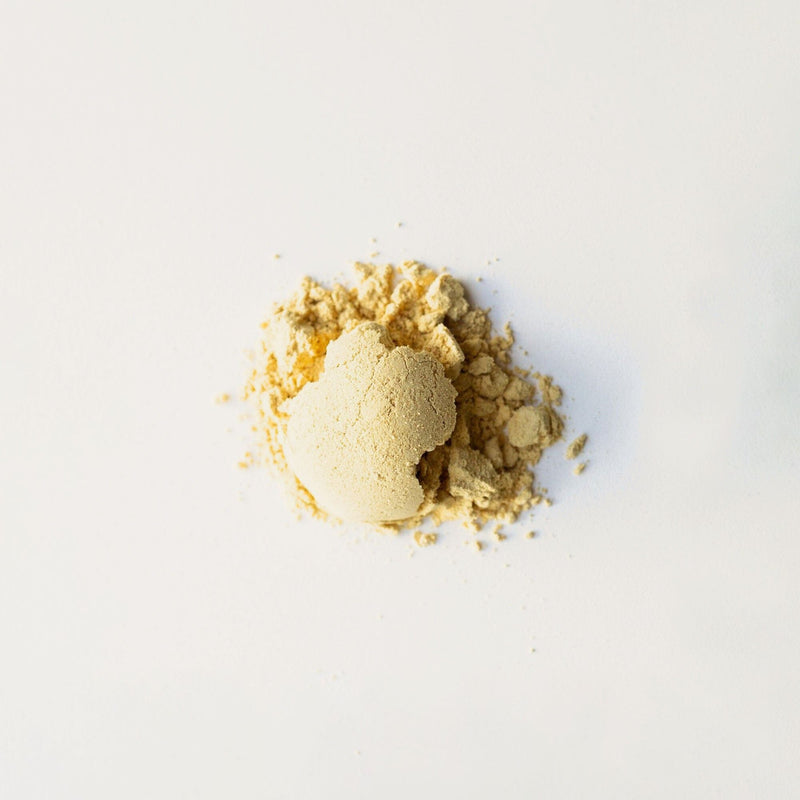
(575, 447)
(417, 415)
(354, 438)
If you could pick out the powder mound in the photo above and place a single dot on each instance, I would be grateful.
(330, 392)
(355, 437)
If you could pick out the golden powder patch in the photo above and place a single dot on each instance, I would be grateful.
(416, 414)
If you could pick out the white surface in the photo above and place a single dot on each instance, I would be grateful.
(635, 168)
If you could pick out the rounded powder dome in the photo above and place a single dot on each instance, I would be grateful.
(355, 436)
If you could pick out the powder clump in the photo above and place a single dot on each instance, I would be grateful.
(425, 539)
(340, 371)
(575, 447)
(354, 437)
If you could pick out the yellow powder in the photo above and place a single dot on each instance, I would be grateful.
(425, 539)
(576, 447)
(354, 438)
(425, 336)
(579, 468)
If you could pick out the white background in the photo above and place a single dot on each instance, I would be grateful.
(168, 630)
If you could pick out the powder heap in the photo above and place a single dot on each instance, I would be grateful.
(355, 436)
(394, 382)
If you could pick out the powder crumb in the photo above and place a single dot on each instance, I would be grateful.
(497, 533)
(398, 225)
(551, 393)
(579, 468)
(276, 256)
(530, 534)
(575, 447)
(222, 398)
(374, 255)
(479, 470)
(476, 545)
(425, 539)
(548, 502)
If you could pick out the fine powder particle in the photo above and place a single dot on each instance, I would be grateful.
(416, 415)
(576, 447)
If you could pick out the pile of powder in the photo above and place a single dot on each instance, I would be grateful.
(474, 465)
(355, 437)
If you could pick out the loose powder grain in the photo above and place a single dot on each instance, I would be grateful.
(575, 447)
(394, 402)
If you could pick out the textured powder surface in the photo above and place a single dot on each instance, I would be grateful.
(503, 420)
(355, 437)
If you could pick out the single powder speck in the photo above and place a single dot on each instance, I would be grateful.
(575, 447)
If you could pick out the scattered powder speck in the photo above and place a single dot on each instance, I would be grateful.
(497, 533)
(579, 468)
(222, 398)
(425, 539)
(575, 447)
(475, 466)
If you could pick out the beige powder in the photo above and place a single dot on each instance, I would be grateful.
(425, 539)
(419, 415)
(354, 438)
(575, 447)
